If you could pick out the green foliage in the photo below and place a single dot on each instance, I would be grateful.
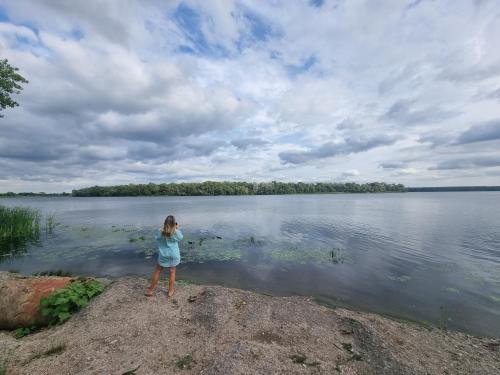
(11, 194)
(59, 306)
(19, 222)
(21, 332)
(18, 226)
(10, 83)
(50, 223)
(235, 188)
(311, 255)
(21, 225)
(185, 362)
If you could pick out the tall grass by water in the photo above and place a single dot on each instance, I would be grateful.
(17, 226)
(18, 222)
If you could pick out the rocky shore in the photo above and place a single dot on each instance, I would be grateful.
(216, 330)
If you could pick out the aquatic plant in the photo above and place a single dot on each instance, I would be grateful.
(400, 279)
(210, 249)
(336, 256)
(59, 306)
(495, 298)
(311, 255)
(50, 223)
(18, 226)
(19, 222)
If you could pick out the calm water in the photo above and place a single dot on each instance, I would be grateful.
(432, 257)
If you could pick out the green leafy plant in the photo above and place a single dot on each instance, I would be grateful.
(21, 332)
(10, 83)
(59, 306)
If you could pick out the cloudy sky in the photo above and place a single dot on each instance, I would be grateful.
(167, 91)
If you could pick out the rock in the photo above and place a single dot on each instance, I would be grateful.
(20, 298)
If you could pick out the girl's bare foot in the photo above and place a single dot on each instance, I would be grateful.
(170, 293)
(149, 293)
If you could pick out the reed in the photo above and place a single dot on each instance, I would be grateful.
(19, 222)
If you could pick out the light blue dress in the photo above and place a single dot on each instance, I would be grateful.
(169, 254)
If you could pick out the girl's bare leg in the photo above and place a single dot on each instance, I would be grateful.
(171, 282)
(154, 279)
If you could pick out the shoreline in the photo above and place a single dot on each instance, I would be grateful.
(216, 330)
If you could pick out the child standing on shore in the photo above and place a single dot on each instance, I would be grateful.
(168, 239)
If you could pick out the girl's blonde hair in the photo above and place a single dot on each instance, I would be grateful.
(169, 226)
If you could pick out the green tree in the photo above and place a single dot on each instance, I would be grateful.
(10, 83)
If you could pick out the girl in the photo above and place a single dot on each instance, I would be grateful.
(168, 255)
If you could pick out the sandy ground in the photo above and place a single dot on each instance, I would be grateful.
(215, 330)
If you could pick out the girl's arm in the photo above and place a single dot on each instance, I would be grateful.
(178, 235)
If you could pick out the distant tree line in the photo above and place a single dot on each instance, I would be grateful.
(453, 188)
(235, 188)
(30, 194)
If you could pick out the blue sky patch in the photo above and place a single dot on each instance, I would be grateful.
(316, 3)
(295, 70)
(260, 29)
(77, 34)
(3, 15)
(189, 21)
